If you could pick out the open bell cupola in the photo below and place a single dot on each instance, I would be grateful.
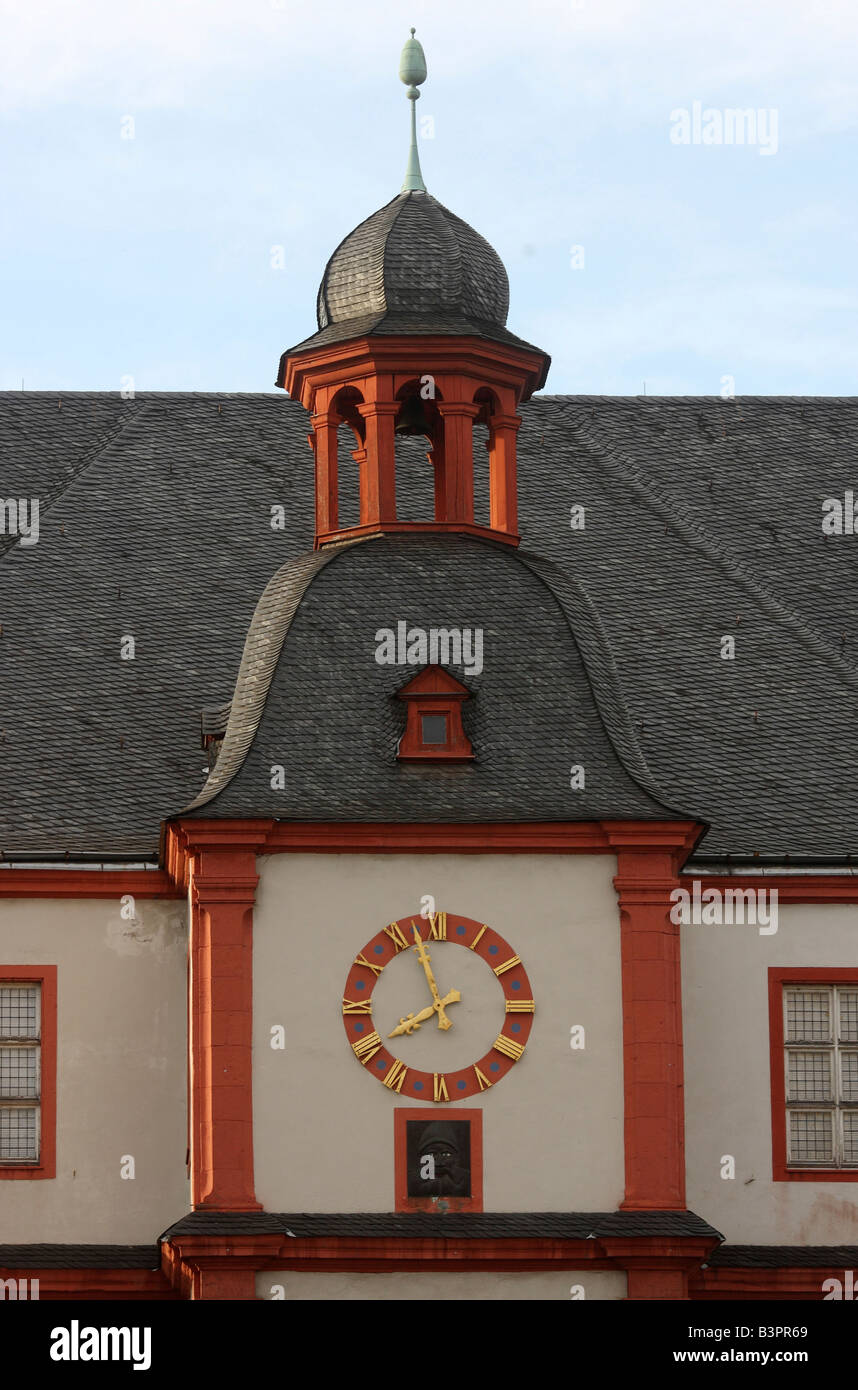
(412, 340)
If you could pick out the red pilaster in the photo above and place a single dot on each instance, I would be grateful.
(223, 884)
(502, 473)
(458, 459)
(652, 1030)
(378, 472)
(324, 441)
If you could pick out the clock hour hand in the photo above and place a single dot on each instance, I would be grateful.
(412, 1022)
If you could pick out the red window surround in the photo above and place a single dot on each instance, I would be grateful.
(46, 976)
(433, 731)
(797, 975)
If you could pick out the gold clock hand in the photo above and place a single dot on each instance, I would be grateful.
(424, 959)
(411, 1022)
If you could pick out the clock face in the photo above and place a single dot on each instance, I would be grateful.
(438, 1008)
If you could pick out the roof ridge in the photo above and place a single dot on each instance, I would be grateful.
(268, 628)
(44, 507)
(627, 472)
(613, 711)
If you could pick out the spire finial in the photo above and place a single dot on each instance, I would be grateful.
(412, 71)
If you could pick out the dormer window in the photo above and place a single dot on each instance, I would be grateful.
(433, 730)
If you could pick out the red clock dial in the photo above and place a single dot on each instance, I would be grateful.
(428, 941)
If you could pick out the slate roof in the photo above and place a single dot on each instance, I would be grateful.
(80, 1257)
(703, 518)
(784, 1257)
(547, 1225)
(412, 267)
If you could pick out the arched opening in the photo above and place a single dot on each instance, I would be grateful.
(350, 437)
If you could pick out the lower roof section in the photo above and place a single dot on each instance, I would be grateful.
(538, 1225)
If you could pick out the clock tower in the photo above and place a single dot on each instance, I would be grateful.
(412, 341)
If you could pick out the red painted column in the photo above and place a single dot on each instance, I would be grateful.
(458, 456)
(324, 440)
(223, 885)
(378, 472)
(503, 485)
(652, 1031)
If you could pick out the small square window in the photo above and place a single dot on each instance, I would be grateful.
(433, 728)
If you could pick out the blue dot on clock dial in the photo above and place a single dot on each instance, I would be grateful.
(418, 1085)
(493, 950)
(516, 984)
(461, 1085)
(460, 931)
(379, 950)
(381, 1065)
(495, 1066)
(516, 1027)
(358, 1027)
(359, 984)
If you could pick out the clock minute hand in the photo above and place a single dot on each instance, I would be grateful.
(424, 958)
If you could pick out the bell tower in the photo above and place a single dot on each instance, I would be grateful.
(412, 340)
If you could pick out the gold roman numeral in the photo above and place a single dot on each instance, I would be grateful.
(438, 926)
(362, 960)
(483, 1080)
(507, 965)
(395, 934)
(509, 1048)
(440, 1086)
(395, 1076)
(520, 1006)
(357, 1006)
(476, 939)
(366, 1048)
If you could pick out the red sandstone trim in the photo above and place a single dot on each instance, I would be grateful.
(86, 883)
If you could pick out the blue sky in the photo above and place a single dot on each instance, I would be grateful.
(266, 123)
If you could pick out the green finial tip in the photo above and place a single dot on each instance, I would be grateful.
(412, 71)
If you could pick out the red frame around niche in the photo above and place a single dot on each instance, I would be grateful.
(46, 976)
(778, 977)
(400, 1150)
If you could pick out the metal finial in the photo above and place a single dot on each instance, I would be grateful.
(412, 71)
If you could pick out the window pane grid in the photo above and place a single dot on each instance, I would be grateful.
(808, 1015)
(19, 1073)
(20, 1068)
(809, 1075)
(821, 1073)
(811, 1136)
(19, 1011)
(19, 1134)
(848, 1015)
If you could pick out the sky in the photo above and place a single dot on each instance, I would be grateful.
(175, 173)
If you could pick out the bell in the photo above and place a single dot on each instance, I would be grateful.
(412, 418)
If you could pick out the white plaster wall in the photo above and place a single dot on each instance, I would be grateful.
(121, 1089)
(562, 1286)
(323, 1126)
(727, 1078)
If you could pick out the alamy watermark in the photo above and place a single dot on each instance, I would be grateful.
(716, 907)
(435, 646)
(20, 517)
(707, 125)
(840, 518)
